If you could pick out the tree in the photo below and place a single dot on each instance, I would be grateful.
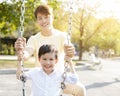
(10, 14)
(86, 25)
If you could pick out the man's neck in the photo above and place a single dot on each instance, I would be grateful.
(47, 32)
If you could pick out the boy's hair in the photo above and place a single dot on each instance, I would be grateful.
(43, 9)
(47, 49)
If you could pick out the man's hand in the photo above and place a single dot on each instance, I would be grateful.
(20, 47)
(69, 50)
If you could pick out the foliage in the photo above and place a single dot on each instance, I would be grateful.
(90, 31)
(87, 30)
(9, 14)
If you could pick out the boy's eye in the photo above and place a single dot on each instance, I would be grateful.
(44, 59)
(51, 59)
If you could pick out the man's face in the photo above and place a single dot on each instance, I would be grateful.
(44, 21)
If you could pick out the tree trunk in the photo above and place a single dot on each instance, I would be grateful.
(81, 50)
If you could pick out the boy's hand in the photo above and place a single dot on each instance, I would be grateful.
(20, 47)
(69, 50)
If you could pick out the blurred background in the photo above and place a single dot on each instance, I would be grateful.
(95, 34)
(95, 24)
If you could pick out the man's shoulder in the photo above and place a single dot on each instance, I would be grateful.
(58, 32)
(35, 36)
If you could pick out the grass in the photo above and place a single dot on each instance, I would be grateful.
(27, 64)
(13, 64)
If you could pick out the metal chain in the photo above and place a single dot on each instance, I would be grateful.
(20, 34)
(22, 27)
(69, 22)
(68, 39)
(22, 18)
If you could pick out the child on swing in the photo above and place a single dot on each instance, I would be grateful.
(46, 80)
(47, 35)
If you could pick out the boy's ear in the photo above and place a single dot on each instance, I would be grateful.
(39, 58)
(56, 60)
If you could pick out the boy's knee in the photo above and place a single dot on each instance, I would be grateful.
(75, 90)
(81, 91)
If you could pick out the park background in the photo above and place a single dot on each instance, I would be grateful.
(95, 24)
(95, 35)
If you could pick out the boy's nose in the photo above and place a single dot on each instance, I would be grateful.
(48, 62)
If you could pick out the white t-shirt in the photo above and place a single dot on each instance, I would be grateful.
(48, 85)
(58, 39)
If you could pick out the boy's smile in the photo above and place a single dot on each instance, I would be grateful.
(48, 62)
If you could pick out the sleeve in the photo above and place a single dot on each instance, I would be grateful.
(30, 42)
(29, 74)
(72, 78)
(30, 46)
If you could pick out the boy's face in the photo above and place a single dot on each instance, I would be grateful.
(48, 62)
(44, 21)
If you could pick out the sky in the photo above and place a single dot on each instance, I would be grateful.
(109, 8)
(106, 8)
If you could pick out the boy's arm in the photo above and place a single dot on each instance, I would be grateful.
(19, 74)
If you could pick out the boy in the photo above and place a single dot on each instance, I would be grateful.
(46, 81)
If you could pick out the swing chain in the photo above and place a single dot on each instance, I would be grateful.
(22, 18)
(68, 39)
(69, 21)
(20, 34)
(64, 75)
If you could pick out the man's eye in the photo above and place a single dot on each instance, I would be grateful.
(46, 16)
(39, 18)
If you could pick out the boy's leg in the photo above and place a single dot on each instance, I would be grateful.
(75, 89)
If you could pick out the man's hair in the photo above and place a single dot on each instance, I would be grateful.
(47, 49)
(43, 9)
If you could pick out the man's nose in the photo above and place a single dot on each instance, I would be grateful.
(43, 20)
